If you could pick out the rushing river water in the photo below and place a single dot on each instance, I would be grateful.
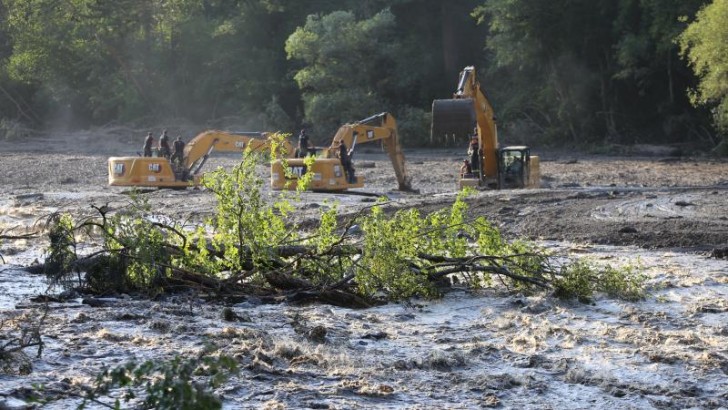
(468, 350)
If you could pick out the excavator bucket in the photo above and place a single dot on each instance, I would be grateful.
(453, 118)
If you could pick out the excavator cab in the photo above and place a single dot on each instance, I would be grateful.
(513, 167)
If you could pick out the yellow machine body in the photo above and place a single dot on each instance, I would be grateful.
(469, 114)
(151, 172)
(329, 174)
(160, 172)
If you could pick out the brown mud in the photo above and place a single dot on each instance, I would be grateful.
(652, 202)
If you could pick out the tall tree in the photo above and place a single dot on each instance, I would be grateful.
(704, 44)
(649, 79)
(346, 61)
(600, 71)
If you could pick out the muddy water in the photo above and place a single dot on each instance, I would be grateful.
(468, 350)
(17, 285)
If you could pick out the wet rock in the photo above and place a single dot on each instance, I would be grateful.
(249, 302)
(354, 230)
(486, 353)
(404, 317)
(402, 364)
(616, 392)
(161, 326)
(11, 403)
(317, 334)
(491, 400)
(318, 405)
(691, 391)
(27, 199)
(507, 210)
(501, 382)
(355, 316)
(464, 235)
(375, 335)
(68, 294)
(712, 309)
(719, 253)
(528, 362)
(79, 318)
(628, 229)
(45, 299)
(229, 315)
(441, 361)
(126, 316)
(263, 357)
(684, 203)
(15, 363)
(99, 302)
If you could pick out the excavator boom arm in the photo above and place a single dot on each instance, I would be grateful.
(199, 148)
(379, 127)
(469, 109)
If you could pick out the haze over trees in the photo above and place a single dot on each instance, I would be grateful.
(557, 72)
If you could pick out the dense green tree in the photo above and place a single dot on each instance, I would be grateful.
(547, 55)
(597, 71)
(125, 60)
(14, 109)
(354, 64)
(705, 46)
(556, 71)
(649, 79)
(346, 61)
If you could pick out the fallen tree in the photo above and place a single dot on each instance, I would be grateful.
(252, 247)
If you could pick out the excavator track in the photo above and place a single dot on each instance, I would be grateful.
(453, 118)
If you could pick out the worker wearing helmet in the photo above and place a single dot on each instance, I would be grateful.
(148, 142)
(164, 148)
(303, 144)
(474, 154)
(466, 171)
(179, 148)
(345, 159)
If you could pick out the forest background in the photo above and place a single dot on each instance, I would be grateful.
(566, 73)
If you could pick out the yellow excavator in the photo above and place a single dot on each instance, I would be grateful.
(160, 172)
(330, 174)
(468, 115)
